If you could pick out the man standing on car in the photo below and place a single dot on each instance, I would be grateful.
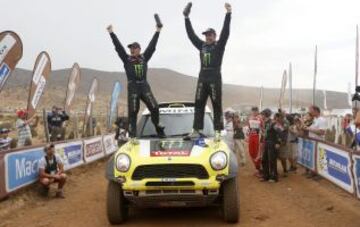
(136, 65)
(210, 82)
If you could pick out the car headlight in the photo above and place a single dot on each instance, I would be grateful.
(123, 162)
(218, 160)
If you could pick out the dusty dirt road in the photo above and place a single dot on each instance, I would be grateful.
(294, 201)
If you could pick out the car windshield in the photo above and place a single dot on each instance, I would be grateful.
(175, 125)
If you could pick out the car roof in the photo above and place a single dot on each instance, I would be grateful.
(176, 107)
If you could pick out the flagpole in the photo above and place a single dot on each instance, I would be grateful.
(290, 89)
(315, 75)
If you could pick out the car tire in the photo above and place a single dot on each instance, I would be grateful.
(117, 209)
(230, 202)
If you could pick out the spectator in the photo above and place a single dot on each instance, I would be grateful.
(282, 127)
(272, 144)
(56, 120)
(5, 140)
(294, 132)
(229, 129)
(239, 139)
(255, 124)
(318, 127)
(121, 130)
(51, 170)
(23, 128)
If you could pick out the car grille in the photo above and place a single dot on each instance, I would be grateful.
(170, 171)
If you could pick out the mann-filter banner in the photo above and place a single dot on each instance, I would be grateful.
(335, 165)
(40, 76)
(11, 50)
(90, 102)
(356, 171)
(93, 149)
(73, 84)
(306, 153)
(22, 168)
(70, 153)
(114, 103)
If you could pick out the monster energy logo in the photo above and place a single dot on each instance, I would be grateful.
(207, 59)
(139, 70)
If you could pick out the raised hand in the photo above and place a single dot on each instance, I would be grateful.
(109, 28)
(187, 9)
(228, 7)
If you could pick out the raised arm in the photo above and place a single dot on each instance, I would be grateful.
(225, 32)
(150, 49)
(118, 46)
(196, 41)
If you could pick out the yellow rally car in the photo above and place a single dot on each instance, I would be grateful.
(172, 172)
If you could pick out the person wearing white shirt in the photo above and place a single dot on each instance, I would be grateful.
(318, 127)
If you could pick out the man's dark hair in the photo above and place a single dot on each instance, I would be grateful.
(254, 109)
(316, 108)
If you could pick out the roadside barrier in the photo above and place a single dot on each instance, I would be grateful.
(335, 163)
(19, 167)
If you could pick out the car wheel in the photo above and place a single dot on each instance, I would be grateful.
(230, 202)
(117, 209)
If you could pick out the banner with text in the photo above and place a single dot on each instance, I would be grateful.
(306, 153)
(93, 149)
(70, 153)
(335, 165)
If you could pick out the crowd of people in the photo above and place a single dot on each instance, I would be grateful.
(269, 137)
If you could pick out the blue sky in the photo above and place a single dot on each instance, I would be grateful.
(265, 36)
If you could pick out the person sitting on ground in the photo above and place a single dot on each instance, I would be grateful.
(23, 128)
(56, 120)
(51, 170)
(5, 140)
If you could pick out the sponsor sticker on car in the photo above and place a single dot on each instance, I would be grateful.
(169, 153)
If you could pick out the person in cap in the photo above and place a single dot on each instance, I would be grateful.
(56, 120)
(51, 170)
(209, 82)
(5, 140)
(136, 67)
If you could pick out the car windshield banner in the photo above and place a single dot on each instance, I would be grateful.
(40, 77)
(335, 165)
(306, 153)
(93, 149)
(114, 104)
(22, 168)
(356, 171)
(11, 51)
(74, 81)
(70, 153)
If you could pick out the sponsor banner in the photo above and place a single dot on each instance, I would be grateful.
(306, 153)
(21, 168)
(356, 171)
(70, 153)
(11, 50)
(114, 103)
(93, 149)
(40, 76)
(74, 81)
(89, 104)
(335, 165)
(110, 144)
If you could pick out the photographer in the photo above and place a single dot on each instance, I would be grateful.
(56, 121)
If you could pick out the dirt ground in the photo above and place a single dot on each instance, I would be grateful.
(293, 201)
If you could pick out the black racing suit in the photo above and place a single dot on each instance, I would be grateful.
(138, 87)
(270, 154)
(209, 83)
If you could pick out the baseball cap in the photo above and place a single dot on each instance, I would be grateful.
(208, 31)
(134, 45)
